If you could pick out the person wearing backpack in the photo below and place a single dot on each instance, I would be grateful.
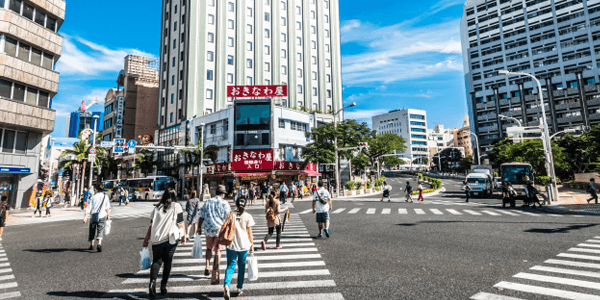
(408, 192)
(237, 251)
(98, 210)
(592, 190)
(4, 208)
(272, 211)
(386, 191)
(47, 204)
(321, 206)
(165, 231)
(192, 206)
(213, 215)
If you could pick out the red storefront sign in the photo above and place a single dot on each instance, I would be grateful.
(293, 166)
(240, 91)
(250, 160)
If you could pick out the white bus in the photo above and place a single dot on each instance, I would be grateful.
(149, 188)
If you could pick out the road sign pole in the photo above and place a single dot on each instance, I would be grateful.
(92, 162)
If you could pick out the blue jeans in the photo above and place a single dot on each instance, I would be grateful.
(233, 258)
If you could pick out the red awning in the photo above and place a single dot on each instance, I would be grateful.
(311, 174)
(300, 173)
(213, 175)
(252, 174)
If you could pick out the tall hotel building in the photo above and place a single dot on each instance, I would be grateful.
(30, 46)
(557, 41)
(211, 44)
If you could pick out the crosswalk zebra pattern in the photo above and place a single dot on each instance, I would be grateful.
(572, 275)
(295, 272)
(8, 284)
(440, 212)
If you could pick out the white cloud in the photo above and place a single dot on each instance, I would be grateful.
(364, 114)
(400, 52)
(82, 57)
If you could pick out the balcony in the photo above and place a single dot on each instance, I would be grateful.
(591, 88)
(486, 105)
(593, 101)
(55, 7)
(572, 91)
(27, 117)
(30, 32)
(559, 93)
(595, 116)
(486, 117)
(569, 105)
(487, 129)
(569, 119)
(27, 73)
(531, 97)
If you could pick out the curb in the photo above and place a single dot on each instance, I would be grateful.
(357, 196)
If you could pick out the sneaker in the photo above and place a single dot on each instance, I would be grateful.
(279, 247)
(319, 236)
(240, 292)
(99, 248)
(206, 272)
(327, 233)
(91, 248)
(264, 245)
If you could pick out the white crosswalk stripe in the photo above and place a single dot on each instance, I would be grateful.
(299, 265)
(402, 211)
(371, 211)
(442, 212)
(554, 278)
(8, 284)
(436, 211)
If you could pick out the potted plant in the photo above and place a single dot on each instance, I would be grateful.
(369, 187)
(350, 187)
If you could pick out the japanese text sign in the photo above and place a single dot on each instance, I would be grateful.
(245, 160)
(241, 91)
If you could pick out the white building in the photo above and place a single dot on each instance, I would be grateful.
(411, 125)
(209, 45)
(440, 137)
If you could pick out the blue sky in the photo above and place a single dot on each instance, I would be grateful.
(395, 54)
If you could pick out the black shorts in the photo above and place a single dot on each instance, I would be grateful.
(2, 223)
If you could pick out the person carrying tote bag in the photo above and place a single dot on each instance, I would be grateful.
(166, 230)
(237, 251)
(99, 209)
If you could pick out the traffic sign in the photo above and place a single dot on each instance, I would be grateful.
(118, 145)
(131, 150)
(106, 144)
(151, 147)
(92, 150)
(91, 157)
(131, 144)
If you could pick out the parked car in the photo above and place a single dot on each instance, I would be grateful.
(498, 182)
(481, 184)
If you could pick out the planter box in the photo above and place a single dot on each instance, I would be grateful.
(353, 193)
(361, 192)
(369, 191)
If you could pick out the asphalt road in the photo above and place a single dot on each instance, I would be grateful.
(441, 248)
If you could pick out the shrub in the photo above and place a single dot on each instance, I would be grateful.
(543, 180)
(358, 185)
(350, 185)
(369, 184)
(424, 191)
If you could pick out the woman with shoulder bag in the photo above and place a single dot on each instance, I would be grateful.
(272, 211)
(165, 231)
(237, 251)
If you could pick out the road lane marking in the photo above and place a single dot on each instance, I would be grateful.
(559, 280)
(471, 212)
(436, 211)
(353, 211)
(371, 211)
(508, 213)
(258, 257)
(402, 211)
(8, 285)
(487, 296)
(419, 211)
(566, 271)
(386, 211)
(305, 212)
(578, 245)
(584, 250)
(187, 278)
(490, 212)
(339, 210)
(454, 212)
(545, 291)
(574, 263)
(11, 295)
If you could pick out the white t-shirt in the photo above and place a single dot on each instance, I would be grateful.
(241, 241)
(322, 208)
(162, 222)
(94, 204)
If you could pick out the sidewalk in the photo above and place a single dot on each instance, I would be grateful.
(57, 212)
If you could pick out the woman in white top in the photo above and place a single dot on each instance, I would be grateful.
(238, 250)
(167, 218)
(386, 191)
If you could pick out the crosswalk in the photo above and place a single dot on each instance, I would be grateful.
(295, 272)
(572, 275)
(8, 284)
(448, 211)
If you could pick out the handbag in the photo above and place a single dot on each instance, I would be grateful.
(252, 262)
(225, 236)
(176, 233)
(96, 216)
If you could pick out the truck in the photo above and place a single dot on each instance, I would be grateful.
(481, 180)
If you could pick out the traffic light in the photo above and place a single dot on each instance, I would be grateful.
(362, 146)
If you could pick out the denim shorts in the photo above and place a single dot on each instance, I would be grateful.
(322, 217)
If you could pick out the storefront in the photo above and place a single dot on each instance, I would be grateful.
(9, 179)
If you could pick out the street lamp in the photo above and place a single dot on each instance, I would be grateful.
(94, 126)
(546, 134)
(337, 160)
(477, 145)
(503, 117)
(561, 132)
(201, 159)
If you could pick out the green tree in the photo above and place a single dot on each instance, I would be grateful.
(322, 149)
(145, 162)
(528, 151)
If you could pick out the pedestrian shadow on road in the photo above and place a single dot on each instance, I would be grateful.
(82, 294)
(58, 250)
(560, 230)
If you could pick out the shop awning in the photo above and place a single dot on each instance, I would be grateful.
(14, 170)
(311, 174)
(300, 173)
(260, 174)
(211, 175)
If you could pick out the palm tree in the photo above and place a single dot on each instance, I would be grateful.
(145, 162)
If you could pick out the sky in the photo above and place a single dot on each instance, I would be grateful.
(395, 54)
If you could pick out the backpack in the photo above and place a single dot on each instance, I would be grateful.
(271, 215)
(227, 232)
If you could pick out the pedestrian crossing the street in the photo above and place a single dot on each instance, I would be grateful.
(443, 212)
(8, 284)
(574, 275)
(297, 271)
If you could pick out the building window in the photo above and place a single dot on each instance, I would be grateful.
(313, 15)
(229, 78)
(313, 44)
(283, 6)
(230, 60)
(211, 37)
(299, 89)
(249, 29)
(174, 61)
(314, 91)
(213, 129)
(176, 8)
(326, 19)
(298, 10)
(328, 63)
(299, 56)
(267, 67)
(230, 24)
(281, 123)
(210, 56)
(328, 93)
(172, 79)
(298, 25)
(230, 42)
(314, 60)
(299, 73)
(328, 78)
(249, 12)
(172, 98)
(299, 41)
(175, 26)
(249, 80)
(209, 74)
(267, 50)
(267, 33)
(327, 48)
(326, 33)
(314, 75)
(230, 6)
(249, 46)
(283, 53)
(249, 63)
(283, 21)
(267, 17)
(283, 70)
(171, 117)
(211, 19)
(209, 94)
(174, 43)
(283, 37)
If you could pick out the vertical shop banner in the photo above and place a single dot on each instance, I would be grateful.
(250, 160)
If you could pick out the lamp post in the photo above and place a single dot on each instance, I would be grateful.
(546, 135)
(477, 145)
(201, 160)
(337, 160)
(94, 126)
(503, 117)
